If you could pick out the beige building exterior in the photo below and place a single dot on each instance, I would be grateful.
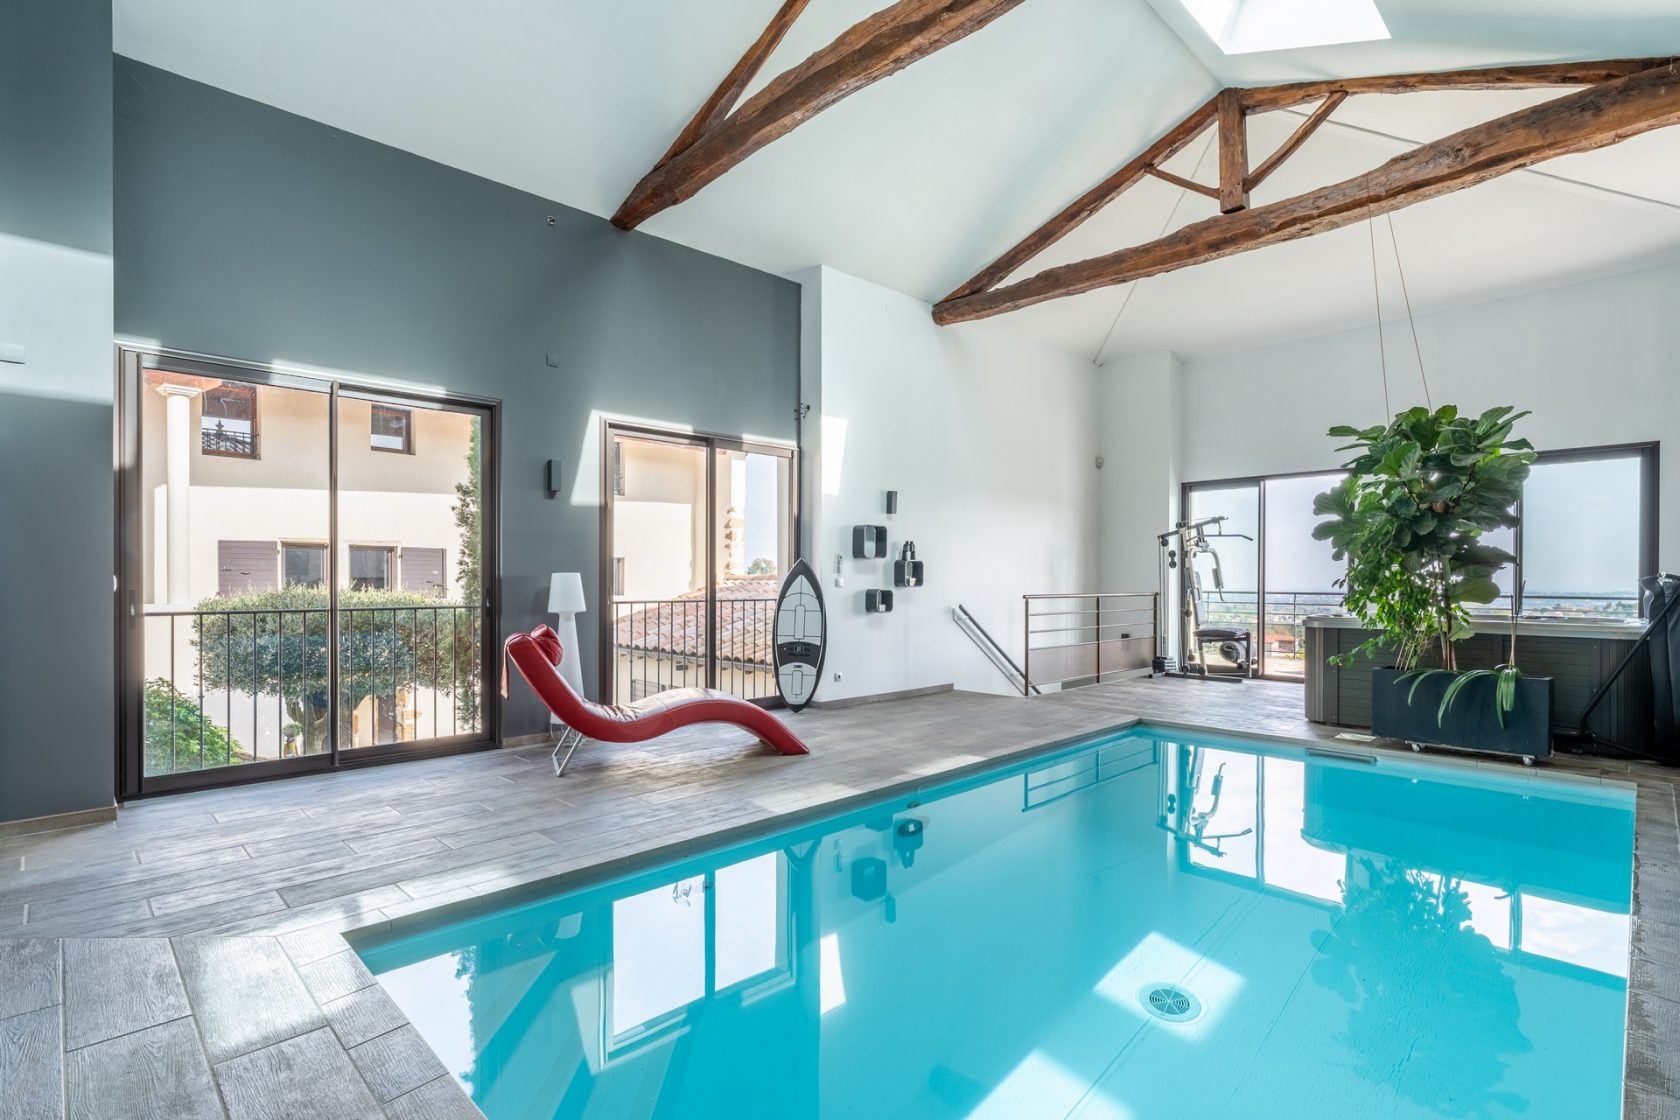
(235, 480)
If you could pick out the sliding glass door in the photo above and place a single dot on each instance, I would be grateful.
(1225, 579)
(302, 573)
(1271, 583)
(697, 534)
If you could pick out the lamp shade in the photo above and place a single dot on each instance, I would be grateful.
(565, 593)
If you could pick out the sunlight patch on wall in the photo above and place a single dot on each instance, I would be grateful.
(833, 453)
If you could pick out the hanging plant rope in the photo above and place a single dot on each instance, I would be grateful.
(1376, 295)
(1411, 319)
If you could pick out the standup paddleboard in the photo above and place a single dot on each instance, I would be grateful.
(800, 624)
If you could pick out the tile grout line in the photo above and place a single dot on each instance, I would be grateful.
(332, 1032)
(198, 1031)
(63, 1037)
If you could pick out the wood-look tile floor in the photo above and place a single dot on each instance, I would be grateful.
(246, 891)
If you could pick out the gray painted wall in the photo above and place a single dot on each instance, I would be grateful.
(56, 747)
(247, 232)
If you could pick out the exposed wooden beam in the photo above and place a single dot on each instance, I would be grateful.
(1577, 122)
(1180, 181)
(735, 83)
(1265, 98)
(1290, 146)
(872, 49)
(1233, 152)
(1081, 208)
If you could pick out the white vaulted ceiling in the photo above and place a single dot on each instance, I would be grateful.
(920, 179)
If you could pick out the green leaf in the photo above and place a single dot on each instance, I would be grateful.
(1481, 589)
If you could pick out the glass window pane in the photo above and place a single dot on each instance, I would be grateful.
(1505, 578)
(1225, 574)
(1219, 805)
(1301, 572)
(390, 428)
(659, 953)
(410, 597)
(1579, 935)
(233, 664)
(370, 568)
(749, 919)
(1291, 862)
(306, 565)
(659, 536)
(228, 420)
(752, 523)
(1581, 534)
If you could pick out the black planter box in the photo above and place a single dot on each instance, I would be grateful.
(1472, 723)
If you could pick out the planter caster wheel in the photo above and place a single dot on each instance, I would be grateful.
(1528, 760)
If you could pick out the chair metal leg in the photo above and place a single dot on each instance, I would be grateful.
(575, 738)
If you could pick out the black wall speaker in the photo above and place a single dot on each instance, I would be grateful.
(551, 477)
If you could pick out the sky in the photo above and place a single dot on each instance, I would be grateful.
(763, 515)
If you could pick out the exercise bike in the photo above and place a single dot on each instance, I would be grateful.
(1183, 545)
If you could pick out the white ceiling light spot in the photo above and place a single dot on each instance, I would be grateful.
(1252, 26)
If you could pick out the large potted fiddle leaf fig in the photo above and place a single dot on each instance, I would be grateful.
(1409, 519)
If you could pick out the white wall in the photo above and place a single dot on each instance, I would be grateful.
(1140, 403)
(990, 441)
(1596, 362)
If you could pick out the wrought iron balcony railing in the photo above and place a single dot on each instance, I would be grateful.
(660, 644)
(233, 686)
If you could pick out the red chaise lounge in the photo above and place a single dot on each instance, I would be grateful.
(537, 657)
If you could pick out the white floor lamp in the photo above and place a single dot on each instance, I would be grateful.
(565, 601)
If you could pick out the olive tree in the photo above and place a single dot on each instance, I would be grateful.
(276, 643)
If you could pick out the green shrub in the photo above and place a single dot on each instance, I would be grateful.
(197, 744)
(268, 644)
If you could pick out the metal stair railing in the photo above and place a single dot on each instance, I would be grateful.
(995, 653)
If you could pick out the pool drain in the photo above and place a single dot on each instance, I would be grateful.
(1169, 1002)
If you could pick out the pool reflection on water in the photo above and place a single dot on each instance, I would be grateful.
(1390, 940)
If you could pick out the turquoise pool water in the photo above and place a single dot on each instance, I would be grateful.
(1153, 925)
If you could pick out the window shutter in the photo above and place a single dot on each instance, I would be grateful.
(422, 571)
(243, 566)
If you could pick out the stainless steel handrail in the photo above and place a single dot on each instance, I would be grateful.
(989, 646)
(1136, 615)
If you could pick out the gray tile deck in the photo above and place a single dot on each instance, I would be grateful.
(309, 1075)
(158, 1073)
(29, 976)
(32, 1065)
(255, 886)
(115, 986)
(245, 994)
(396, 1062)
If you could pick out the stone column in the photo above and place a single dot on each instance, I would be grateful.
(178, 480)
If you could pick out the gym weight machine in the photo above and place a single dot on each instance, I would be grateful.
(1182, 545)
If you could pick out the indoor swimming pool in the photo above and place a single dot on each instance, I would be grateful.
(1154, 924)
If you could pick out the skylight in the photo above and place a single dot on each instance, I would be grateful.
(1251, 26)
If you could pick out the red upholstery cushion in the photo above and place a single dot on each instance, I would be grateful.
(537, 657)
